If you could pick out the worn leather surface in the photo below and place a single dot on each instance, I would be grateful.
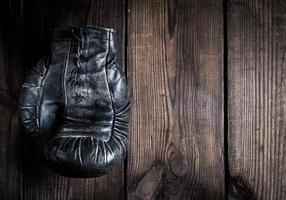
(78, 94)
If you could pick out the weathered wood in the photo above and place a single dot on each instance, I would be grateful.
(175, 68)
(11, 24)
(24, 175)
(257, 98)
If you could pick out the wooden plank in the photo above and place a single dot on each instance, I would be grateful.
(175, 68)
(24, 174)
(11, 24)
(257, 100)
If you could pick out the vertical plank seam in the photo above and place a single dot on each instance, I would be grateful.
(225, 96)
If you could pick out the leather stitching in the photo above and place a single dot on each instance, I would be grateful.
(40, 88)
(63, 78)
(109, 91)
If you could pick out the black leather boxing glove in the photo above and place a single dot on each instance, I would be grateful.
(79, 95)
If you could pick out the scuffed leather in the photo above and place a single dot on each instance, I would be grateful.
(79, 95)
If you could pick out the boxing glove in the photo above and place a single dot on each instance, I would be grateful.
(78, 95)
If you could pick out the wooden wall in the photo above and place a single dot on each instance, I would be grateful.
(208, 93)
(257, 97)
(175, 67)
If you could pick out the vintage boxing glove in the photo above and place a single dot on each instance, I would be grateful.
(78, 94)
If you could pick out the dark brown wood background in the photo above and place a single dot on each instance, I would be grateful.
(208, 86)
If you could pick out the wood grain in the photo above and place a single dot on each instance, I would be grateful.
(175, 72)
(11, 59)
(24, 38)
(257, 100)
(175, 68)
